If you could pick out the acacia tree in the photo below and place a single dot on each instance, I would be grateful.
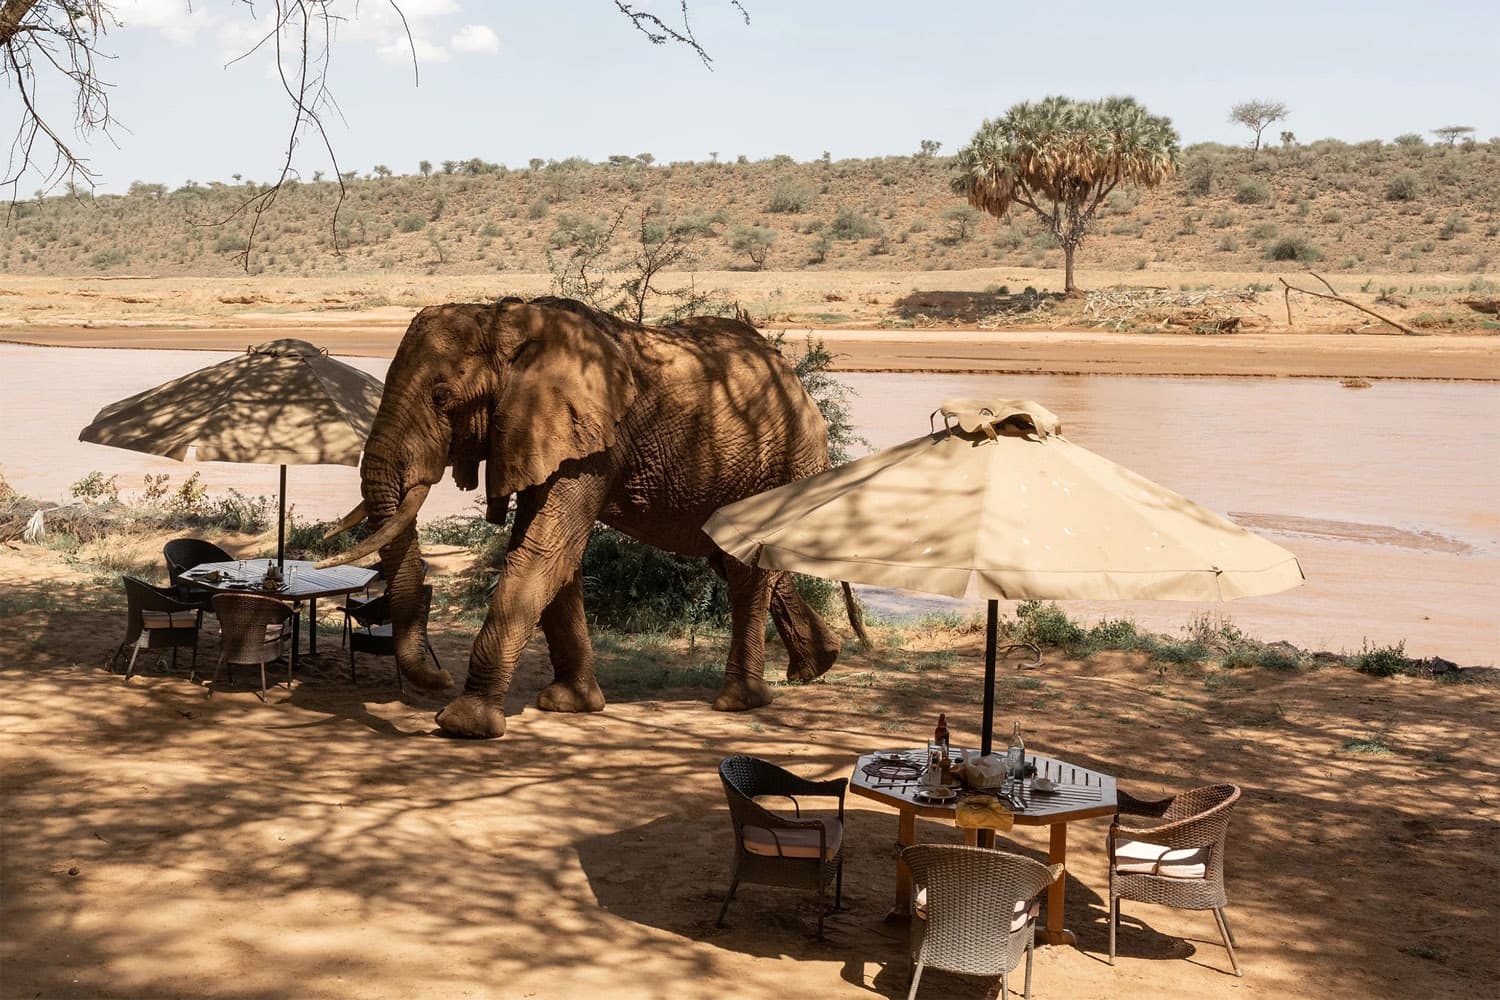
(1061, 158)
(1256, 115)
(1451, 133)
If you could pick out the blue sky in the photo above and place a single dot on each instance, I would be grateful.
(510, 80)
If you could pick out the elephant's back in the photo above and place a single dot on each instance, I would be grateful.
(719, 415)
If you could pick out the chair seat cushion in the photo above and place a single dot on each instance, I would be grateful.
(1132, 857)
(169, 619)
(787, 842)
(1024, 912)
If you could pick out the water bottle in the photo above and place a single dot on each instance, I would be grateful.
(1015, 755)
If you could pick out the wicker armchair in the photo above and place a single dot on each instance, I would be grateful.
(1176, 862)
(368, 629)
(774, 849)
(182, 554)
(158, 619)
(975, 911)
(252, 631)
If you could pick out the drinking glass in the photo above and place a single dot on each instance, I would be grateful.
(291, 578)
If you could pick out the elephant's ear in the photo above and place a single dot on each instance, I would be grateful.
(567, 388)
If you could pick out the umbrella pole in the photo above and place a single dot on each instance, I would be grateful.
(992, 625)
(281, 527)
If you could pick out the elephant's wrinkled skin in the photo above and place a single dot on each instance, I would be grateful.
(583, 417)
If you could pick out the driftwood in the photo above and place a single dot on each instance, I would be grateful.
(1334, 296)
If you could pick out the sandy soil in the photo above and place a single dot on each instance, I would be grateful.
(326, 844)
(366, 315)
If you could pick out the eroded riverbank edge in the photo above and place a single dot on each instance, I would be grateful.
(1465, 358)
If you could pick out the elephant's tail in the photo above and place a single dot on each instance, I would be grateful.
(856, 616)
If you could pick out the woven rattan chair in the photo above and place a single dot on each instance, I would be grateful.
(158, 619)
(974, 911)
(771, 848)
(1176, 862)
(182, 554)
(368, 629)
(252, 631)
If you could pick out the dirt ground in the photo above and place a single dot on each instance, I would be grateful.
(327, 844)
(158, 842)
(874, 321)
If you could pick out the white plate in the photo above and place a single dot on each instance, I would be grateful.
(940, 794)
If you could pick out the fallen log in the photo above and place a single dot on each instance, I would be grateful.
(1334, 296)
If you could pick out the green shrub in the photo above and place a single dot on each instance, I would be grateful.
(458, 529)
(1297, 248)
(851, 225)
(1403, 187)
(411, 223)
(1456, 224)
(631, 587)
(1048, 625)
(791, 197)
(1252, 192)
(1382, 661)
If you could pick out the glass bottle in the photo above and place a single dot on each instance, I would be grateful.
(1015, 755)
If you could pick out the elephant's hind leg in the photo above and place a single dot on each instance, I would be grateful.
(811, 646)
(574, 688)
(744, 675)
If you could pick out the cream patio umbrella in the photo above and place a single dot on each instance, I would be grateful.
(282, 403)
(997, 500)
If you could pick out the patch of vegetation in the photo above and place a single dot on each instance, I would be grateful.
(1374, 745)
(851, 225)
(1403, 187)
(1298, 248)
(1252, 192)
(791, 197)
(1382, 661)
(457, 529)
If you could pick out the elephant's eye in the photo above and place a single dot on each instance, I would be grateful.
(441, 394)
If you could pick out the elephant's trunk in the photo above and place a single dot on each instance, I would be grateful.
(394, 515)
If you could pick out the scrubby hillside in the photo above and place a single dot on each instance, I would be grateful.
(1371, 208)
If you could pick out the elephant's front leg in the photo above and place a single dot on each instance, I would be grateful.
(574, 687)
(551, 529)
(744, 675)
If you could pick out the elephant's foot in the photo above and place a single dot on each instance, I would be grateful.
(427, 678)
(472, 717)
(819, 661)
(740, 694)
(562, 697)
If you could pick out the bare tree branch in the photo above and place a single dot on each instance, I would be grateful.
(660, 33)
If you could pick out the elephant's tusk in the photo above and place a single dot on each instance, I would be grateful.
(404, 518)
(348, 521)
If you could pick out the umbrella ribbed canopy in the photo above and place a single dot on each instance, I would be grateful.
(282, 403)
(999, 501)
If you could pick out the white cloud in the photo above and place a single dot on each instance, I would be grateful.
(400, 48)
(475, 38)
(172, 18)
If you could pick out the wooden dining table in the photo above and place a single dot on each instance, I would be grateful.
(891, 778)
(301, 581)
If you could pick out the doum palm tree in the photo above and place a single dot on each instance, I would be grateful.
(1061, 158)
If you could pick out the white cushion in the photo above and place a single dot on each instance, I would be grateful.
(169, 619)
(1133, 857)
(794, 843)
(1024, 912)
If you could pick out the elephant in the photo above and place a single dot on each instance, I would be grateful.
(583, 417)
